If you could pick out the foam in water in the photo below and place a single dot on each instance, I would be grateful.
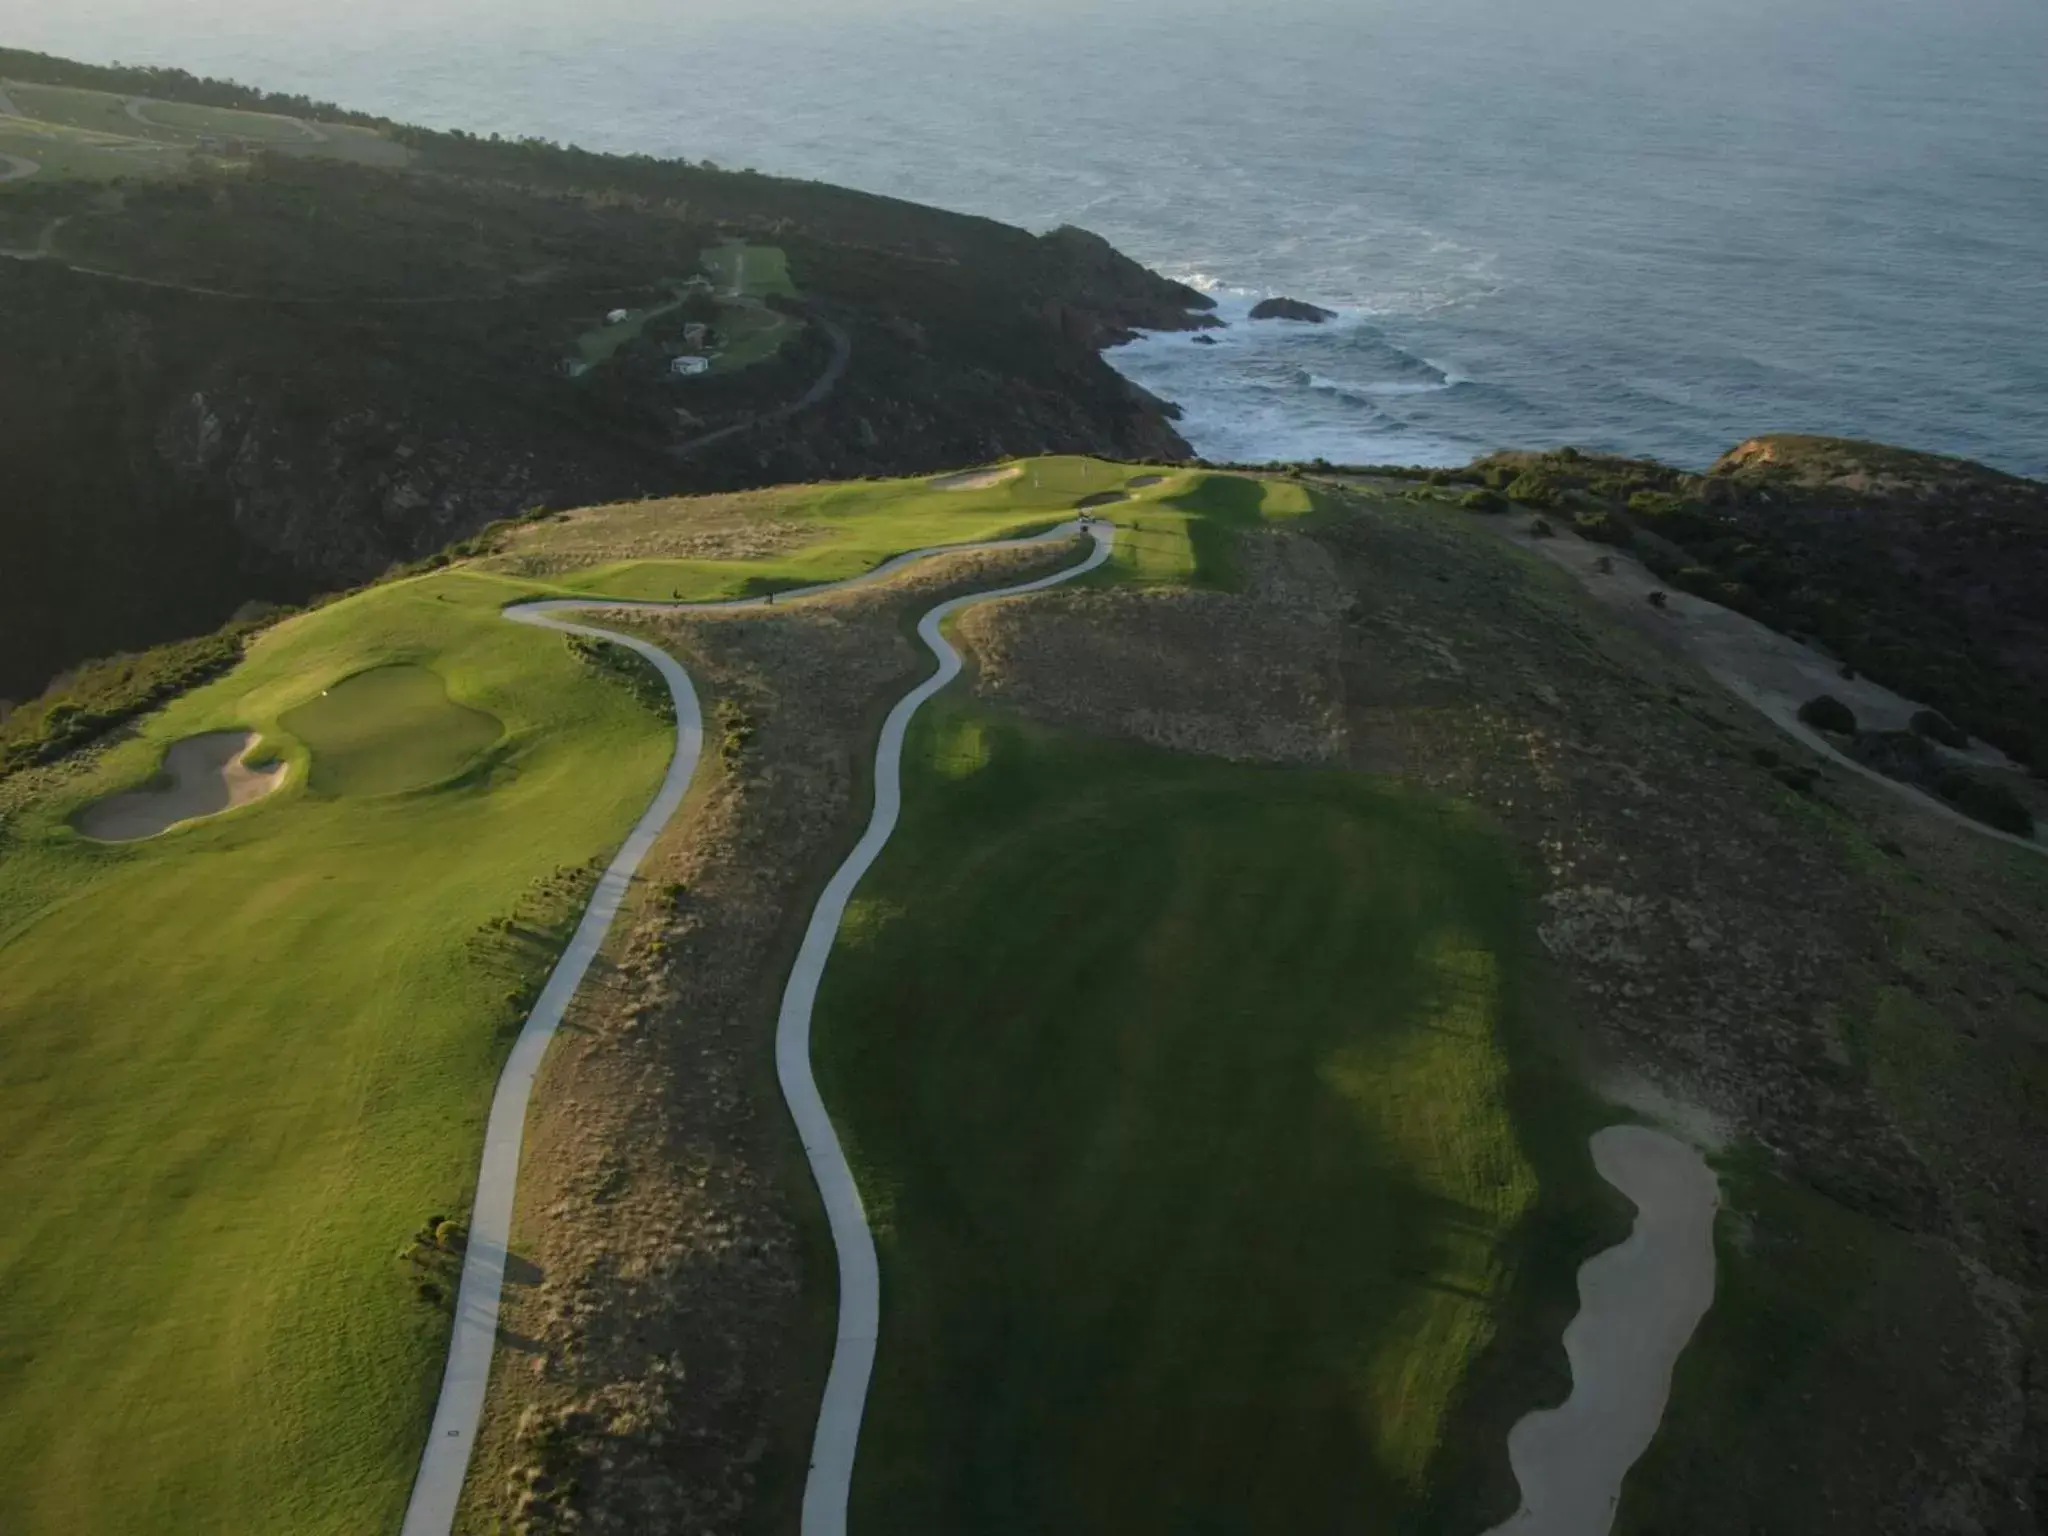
(1259, 391)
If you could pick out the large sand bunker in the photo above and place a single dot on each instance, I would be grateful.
(202, 776)
(977, 479)
(1639, 1303)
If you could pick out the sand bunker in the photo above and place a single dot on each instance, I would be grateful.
(1639, 1303)
(1144, 482)
(976, 479)
(202, 776)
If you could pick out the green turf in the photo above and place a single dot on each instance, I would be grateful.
(600, 344)
(241, 1062)
(1187, 534)
(387, 729)
(749, 336)
(858, 525)
(1180, 1095)
(1814, 1306)
(754, 271)
(93, 135)
(64, 153)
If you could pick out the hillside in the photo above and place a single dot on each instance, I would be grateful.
(1276, 912)
(1929, 574)
(274, 371)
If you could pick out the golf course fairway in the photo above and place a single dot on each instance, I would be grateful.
(242, 1062)
(1192, 1107)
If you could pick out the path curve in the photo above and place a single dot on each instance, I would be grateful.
(437, 1490)
(1639, 1303)
(820, 391)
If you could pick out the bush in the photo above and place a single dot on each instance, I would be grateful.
(1828, 713)
(1603, 528)
(1533, 489)
(1652, 503)
(1800, 778)
(1659, 600)
(1541, 529)
(1483, 501)
(1982, 800)
(1936, 726)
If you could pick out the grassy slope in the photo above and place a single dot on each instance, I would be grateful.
(1180, 1095)
(858, 525)
(764, 269)
(1182, 530)
(92, 135)
(243, 1061)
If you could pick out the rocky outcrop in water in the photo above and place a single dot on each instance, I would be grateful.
(1292, 309)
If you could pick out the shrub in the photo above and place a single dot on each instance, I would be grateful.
(1603, 528)
(1659, 600)
(1798, 777)
(1604, 565)
(1652, 503)
(736, 730)
(1936, 726)
(1532, 489)
(1483, 501)
(1982, 800)
(1828, 713)
(1541, 529)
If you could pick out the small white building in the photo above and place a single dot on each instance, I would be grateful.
(689, 367)
(616, 317)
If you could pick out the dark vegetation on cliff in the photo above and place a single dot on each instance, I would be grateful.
(262, 383)
(1928, 574)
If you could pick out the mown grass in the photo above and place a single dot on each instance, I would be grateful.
(855, 526)
(751, 336)
(1191, 1105)
(91, 135)
(1184, 532)
(753, 271)
(1815, 1305)
(388, 729)
(241, 1063)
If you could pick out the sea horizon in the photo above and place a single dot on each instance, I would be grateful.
(1649, 232)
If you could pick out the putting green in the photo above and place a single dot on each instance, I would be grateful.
(1190, 1103)
(389, 729)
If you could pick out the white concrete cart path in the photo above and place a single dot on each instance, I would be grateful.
(445, 1463)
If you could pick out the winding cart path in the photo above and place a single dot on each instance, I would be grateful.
(445, 1463)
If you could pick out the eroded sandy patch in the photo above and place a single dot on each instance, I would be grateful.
(976, 479)
(202, 776)
(1639, 1303)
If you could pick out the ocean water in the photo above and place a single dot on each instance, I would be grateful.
(1638, 225)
